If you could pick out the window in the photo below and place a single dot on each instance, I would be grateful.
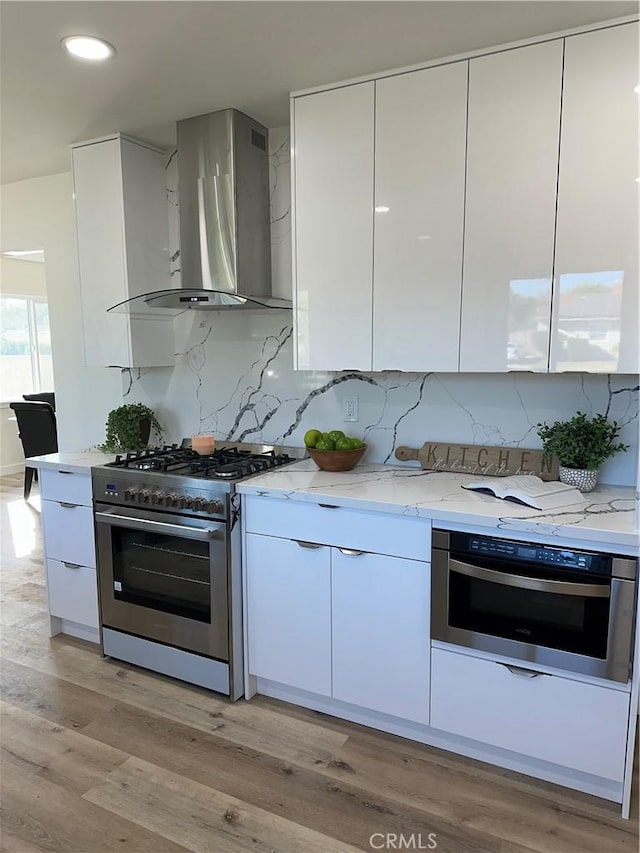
(25, 347)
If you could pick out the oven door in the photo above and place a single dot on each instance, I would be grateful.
(164, 577)
(552, 619)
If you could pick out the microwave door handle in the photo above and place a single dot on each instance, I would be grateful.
(181, 530)
(584, 590)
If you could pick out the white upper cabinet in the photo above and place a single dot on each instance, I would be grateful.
(420, 136)
(476, 216)
(512, 167)
(595, 318)
(333, 243)
(123, 249)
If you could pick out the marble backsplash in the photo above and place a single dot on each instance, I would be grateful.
(233, 377)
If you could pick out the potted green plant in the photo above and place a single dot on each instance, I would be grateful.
(129, 427)
(581, 444)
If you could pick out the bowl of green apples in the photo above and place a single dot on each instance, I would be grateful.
(334, 451)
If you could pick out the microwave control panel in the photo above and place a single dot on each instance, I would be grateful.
(527, 552)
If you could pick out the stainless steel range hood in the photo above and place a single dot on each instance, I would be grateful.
(225, 237)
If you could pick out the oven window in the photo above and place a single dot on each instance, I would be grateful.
(570, 623)
(162, 572)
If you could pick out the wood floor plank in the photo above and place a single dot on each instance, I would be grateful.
(524, 818)
(61, 754)
(258, 727)
(336, 807)
(199, 817)
(49, 697)
(46, 816)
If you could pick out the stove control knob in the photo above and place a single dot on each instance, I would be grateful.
(185, 502)
(158, 498)
(214, 507)
(143, 496)
(171, 499)
(200, 504)
(130, 494)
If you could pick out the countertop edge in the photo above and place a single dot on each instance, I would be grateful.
(455, 519)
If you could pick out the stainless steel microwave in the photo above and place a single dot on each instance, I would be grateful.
(568, 609)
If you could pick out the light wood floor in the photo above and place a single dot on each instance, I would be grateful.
(100, 756)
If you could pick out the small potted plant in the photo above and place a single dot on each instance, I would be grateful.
(581, 445)
(129, 428)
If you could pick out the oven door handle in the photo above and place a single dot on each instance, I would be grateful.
(584, 590)
(144, 524)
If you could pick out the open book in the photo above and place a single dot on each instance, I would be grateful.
(530, 490)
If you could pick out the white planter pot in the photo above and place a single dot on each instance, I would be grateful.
(583, 479)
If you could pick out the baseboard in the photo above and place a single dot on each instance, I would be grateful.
(6, 470)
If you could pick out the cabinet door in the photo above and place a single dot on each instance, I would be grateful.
(421, 122)
(512, 170)
(69, 533)
(380, 609)
(97, 184)
(73, 592)
(289, 612)
(332, 157)
(66, 486)
(546, 717)
(122, 228)
(595, 313)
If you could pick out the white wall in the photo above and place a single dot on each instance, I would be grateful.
(38, 213)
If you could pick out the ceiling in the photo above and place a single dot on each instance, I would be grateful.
(178, 59)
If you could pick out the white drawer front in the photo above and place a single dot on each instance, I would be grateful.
(73, 593)
(60, 485)
(374, 532)
(576, 725)
(68, 533)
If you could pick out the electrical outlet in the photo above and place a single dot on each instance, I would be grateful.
(350, 408)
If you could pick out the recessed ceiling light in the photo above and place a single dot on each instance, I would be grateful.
(637, 89)
(382, 208)
(87, 47)
(19, 253)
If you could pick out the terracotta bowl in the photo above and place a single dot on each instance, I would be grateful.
(336, 460)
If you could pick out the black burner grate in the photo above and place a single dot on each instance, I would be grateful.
(226, 463)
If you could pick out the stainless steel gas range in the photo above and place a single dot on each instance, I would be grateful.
(169, 559)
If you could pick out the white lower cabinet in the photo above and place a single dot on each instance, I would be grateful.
(70, 552)
(73, 593)
(380, 630)
(289, 612)
(327, 614)
(569, 723)
(68, 532)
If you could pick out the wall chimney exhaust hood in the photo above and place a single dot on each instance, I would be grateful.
(225, 234)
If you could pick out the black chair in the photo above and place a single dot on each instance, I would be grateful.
(45, 397)
(38, 433)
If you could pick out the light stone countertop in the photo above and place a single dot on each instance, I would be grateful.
(78, 462)
(607, 518)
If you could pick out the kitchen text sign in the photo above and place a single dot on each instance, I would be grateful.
(480, 459)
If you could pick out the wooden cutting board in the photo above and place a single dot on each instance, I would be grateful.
(482, 459)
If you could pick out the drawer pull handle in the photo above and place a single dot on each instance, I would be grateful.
(329, 506)
(68, 505)
(313, 546)
(520, 672)
(71, 565)
(351, 552)
(65, 472)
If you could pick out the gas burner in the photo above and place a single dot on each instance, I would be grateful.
(225, 463)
